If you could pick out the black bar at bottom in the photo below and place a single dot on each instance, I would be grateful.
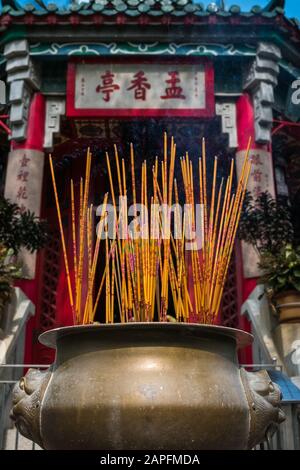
(137, 459)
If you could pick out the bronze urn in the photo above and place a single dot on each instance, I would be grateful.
(146, 386)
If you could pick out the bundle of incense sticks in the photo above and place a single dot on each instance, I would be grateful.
(150, 272)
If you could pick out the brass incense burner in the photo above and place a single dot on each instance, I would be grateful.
(146, 386)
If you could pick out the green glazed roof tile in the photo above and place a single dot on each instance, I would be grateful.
(29, 7)
(201, 13)
(86, 6)
(154, 13)
(225, 14)
(190, 8)
(178, 13)
(17, 12)
(247, 15)
(121, 7)
(108, 12)
(143, 8)
(133, 3)
(6, 9)
(235, 9)
(212, 8)
(269, 14)
(256, 9)
(98, 7)
(167, 8)
(46, 12)
(74, 7)
(86, 12)
(52, 7)
(133, 13)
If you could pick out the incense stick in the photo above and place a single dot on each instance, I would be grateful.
(62, 236)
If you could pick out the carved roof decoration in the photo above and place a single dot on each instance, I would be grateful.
(134, 8)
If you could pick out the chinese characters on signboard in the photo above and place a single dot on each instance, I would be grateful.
(22, 181)
(139, 89)
(23, 186)
(261, 179)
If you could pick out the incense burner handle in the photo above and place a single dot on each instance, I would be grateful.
(28, 394)
(263, 398)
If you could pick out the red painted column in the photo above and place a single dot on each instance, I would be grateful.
(245, 130)
(34, 141)
(36, 125)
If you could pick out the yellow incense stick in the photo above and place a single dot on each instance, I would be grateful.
(145, 274)
(74, 234)
(62, 236)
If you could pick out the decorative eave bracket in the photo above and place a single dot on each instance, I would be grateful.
(55, 108)
(23, 75)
